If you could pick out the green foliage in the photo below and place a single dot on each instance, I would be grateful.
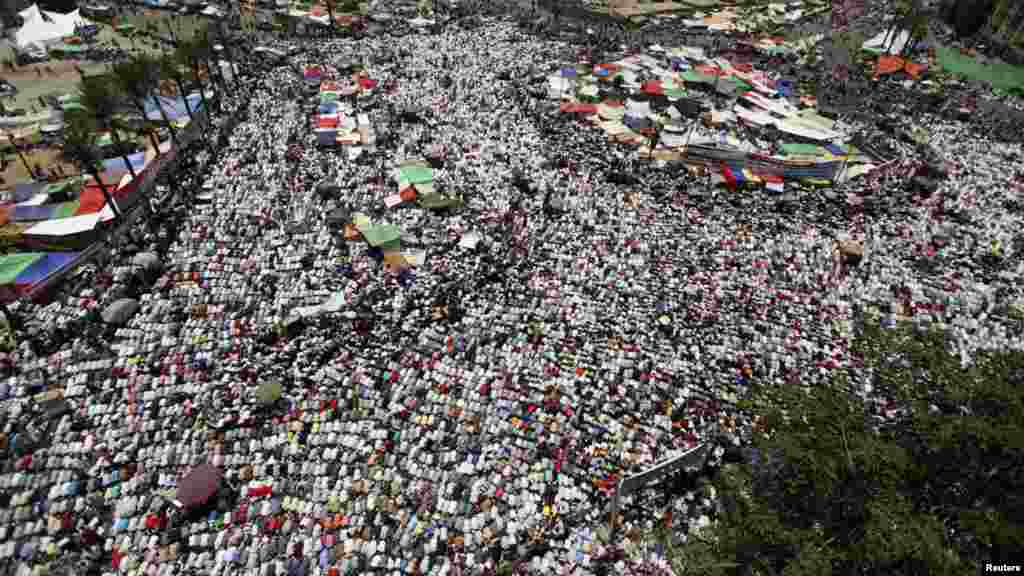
(834, 488)
(99, 95)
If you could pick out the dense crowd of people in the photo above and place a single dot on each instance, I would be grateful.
(587, 313)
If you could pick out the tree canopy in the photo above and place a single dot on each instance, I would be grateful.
(924, 475)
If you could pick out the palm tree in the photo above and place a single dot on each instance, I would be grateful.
(149, 130)
(137, 76)
(24, 162)
(330, 12)
(80, 148)
(98, 95)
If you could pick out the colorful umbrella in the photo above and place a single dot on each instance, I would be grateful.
(198, 486)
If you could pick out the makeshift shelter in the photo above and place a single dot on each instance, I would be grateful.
(198, 486)
(20, 273)
(71, 233)
(173, 107)
(381, 235)
(40, 28)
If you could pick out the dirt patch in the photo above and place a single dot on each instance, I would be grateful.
(630, 8)
(46, 158)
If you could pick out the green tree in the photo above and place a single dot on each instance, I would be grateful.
(189, 53)
(100, 98)
(830, 486)
(137, 78)
(80, 148)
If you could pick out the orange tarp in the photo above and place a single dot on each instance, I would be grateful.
(888, 65)
(915, 70)
(892, 64)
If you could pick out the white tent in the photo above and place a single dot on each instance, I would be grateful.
(30, 13)
(41, 28)
(37, 33)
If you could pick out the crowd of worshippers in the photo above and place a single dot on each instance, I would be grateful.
(584, 314)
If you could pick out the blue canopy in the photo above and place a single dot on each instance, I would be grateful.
(50, 263)
(173, 107)
(137, 160)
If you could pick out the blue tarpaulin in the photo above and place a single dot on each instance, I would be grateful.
(116, 165)
(26, 190)
(173, 107)
(50, 263)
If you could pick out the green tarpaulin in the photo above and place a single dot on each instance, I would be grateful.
(66, 209)
(999, 75)
(694, 76)
(415, 174)
(69, 185)
(803, 149)
(381, 234)
(14, 264)
(437, 201)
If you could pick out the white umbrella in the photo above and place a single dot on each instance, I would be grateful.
(120, 311)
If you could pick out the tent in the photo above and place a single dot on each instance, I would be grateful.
(23, 213)
(114, 168)
(173, 107)
(72, 233)
(19, 273)
(42, 28)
